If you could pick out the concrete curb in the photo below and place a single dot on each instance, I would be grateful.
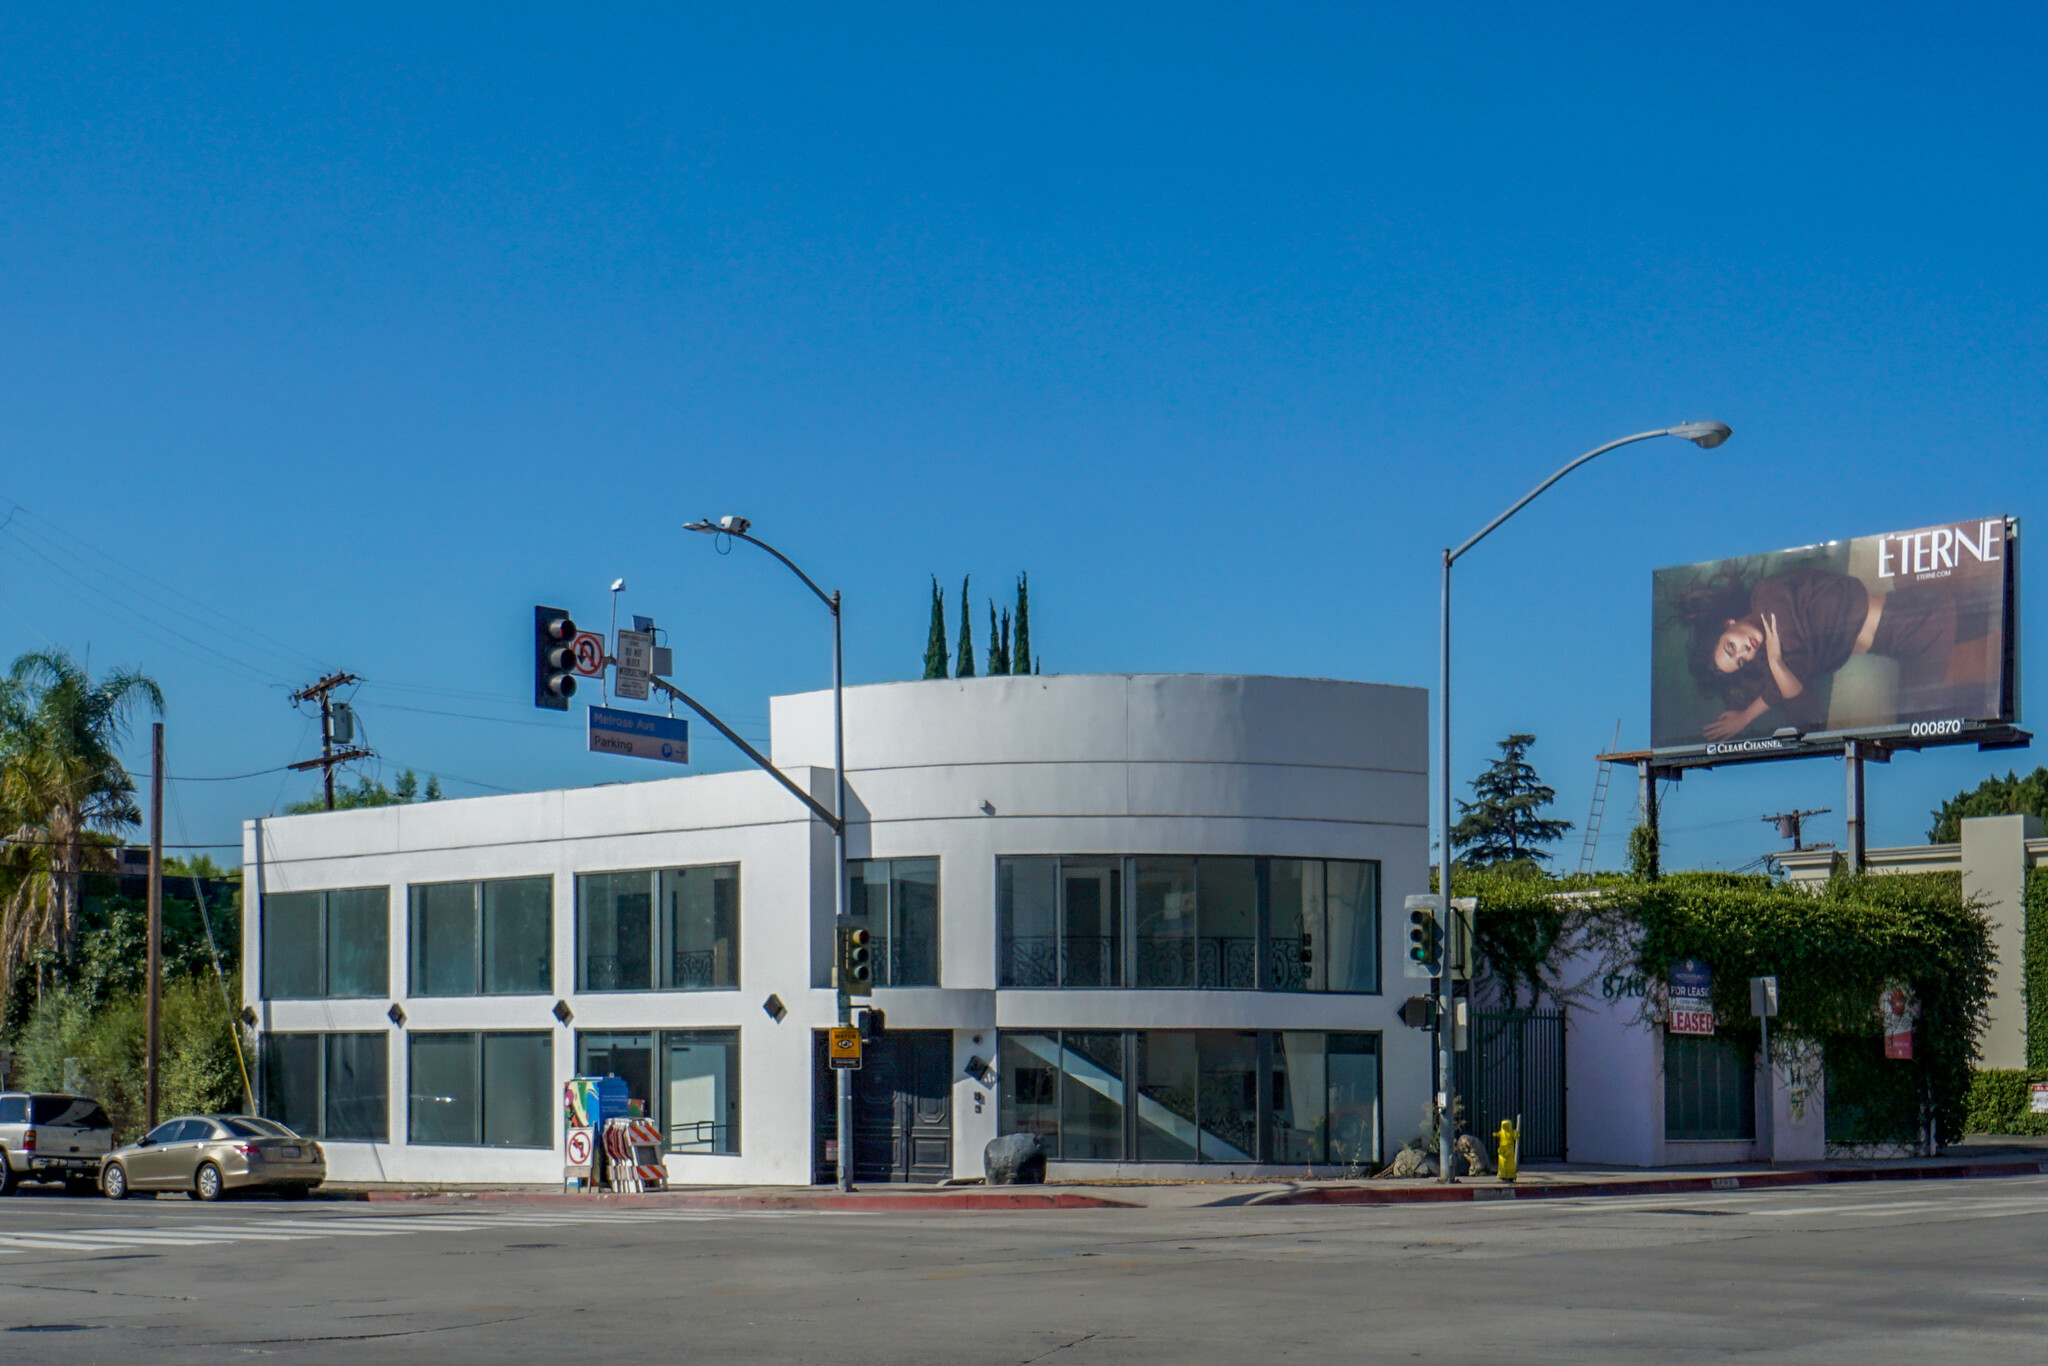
(1669, 1185)
(796, 1199)
(945, 1200)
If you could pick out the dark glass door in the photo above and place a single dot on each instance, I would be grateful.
(902, 1109)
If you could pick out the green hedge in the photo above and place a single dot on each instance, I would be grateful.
(1999, 1102)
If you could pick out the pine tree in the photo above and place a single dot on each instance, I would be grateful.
(1021, 661)
(965, 667)
(1502, 828)
(935, 639)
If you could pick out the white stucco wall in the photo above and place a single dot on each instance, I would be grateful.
(964, 770)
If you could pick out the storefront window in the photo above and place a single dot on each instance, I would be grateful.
(659, 930)
(492, 1090)
(331, 1086)
(1202, 1096)
(686, 1080)
(326, 944)
(898, 901)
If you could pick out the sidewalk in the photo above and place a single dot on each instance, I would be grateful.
(1980, 1158)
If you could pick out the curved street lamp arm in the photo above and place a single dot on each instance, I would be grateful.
(830, 600)
(1451, 556)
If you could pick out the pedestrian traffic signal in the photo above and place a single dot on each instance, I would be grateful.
(872, 1022)
(554, 658)
(1425, 939)
(856, 960)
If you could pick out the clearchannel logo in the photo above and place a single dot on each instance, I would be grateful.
(1746, 747)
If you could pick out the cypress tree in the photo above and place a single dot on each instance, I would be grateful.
(935, 639)
(998, 640)
(965, 667)
(1020, 662)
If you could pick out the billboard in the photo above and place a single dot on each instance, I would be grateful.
(1907, 634)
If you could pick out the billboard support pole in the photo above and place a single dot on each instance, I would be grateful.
(1852, 760)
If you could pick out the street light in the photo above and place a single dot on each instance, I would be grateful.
(1705, 435)
(737, 528)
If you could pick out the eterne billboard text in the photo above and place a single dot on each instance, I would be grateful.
(1909, 633)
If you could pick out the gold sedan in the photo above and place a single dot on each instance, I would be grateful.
(206, 1156)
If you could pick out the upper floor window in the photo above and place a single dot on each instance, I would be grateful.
(668, 929)
(1211, 922)
(482, 938)
(333, 943)
(898, 901)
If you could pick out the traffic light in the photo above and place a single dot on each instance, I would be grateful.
(872, 1022)
(1425, 939)
(1418, 1012)
(554, 658)
(856, 960)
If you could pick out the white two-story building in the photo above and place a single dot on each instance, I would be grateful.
(1144, 917)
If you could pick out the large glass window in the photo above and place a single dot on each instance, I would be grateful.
(326, 944)
(1326, 1099)
(1709, 1087)
(1207, 1096)
(898, 901)
(482, 1090)
(686, 1080)
(332, 1086)
(674, 929)
(1060, 921)
(1214, 922)
(482, 938)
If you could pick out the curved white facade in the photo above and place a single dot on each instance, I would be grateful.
(966, 772)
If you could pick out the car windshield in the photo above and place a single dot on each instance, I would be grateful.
(248, 1126)
(75, 1111)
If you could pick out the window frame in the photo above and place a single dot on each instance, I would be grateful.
(267, 1060)
(1123, 877)
(888, 952)
(660, 1077)
(482, 1097)
(661, 936)
(322, 932)
(1203, 1048)
(481, 926)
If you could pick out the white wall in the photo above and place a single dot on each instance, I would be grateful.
(966, 770)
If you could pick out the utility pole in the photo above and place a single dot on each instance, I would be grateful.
(1791, 824)
(153, 1025)
(329, 756)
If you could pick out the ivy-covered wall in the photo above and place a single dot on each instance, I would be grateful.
(2034, 970)
(1833, 952)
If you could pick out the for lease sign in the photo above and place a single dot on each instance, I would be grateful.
(1689, 992)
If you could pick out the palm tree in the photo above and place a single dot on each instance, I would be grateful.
(63, 794)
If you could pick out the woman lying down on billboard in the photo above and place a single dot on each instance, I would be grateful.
(1769, 646)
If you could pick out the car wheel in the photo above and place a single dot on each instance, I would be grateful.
(206, 1185)
(114, 1182)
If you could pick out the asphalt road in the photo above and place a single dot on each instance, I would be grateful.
(1881, 1272)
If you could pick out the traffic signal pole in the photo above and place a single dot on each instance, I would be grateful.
(843, 1119)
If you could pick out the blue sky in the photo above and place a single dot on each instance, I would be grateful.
(351, 334)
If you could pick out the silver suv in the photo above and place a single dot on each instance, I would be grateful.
(47, 1137)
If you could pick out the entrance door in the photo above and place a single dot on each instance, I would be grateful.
(902, 1108)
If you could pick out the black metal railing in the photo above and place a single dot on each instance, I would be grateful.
(691, 969)
(1044, 960)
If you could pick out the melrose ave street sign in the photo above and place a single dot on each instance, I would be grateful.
(613, 731)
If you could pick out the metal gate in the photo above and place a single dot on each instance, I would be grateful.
(1513, 1064)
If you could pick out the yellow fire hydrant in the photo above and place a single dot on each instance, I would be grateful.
(1506, 1150)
